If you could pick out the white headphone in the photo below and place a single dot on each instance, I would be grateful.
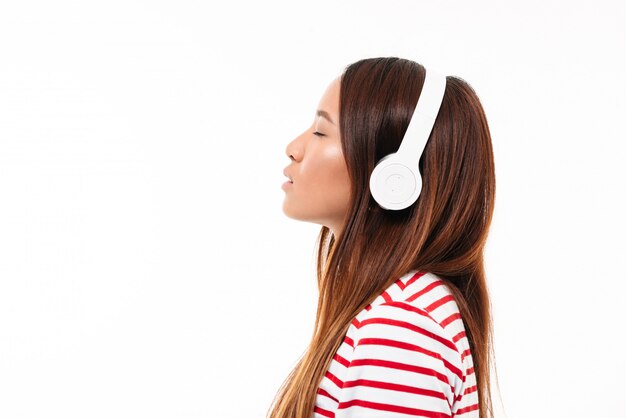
(395, 182)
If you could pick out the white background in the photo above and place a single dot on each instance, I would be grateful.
(146, 266)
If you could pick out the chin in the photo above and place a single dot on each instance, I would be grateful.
(297, 215)
(289, 212)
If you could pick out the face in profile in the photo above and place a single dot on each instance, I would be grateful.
(319, 190)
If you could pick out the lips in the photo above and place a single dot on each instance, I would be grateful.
(286, 173)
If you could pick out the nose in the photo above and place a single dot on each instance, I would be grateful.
(293, 150)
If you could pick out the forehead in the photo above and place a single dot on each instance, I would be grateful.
(330, 99)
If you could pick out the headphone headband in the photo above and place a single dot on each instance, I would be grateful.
(424, 115)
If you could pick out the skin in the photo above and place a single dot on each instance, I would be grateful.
(320, 190)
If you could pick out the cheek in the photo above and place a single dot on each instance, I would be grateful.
(327, 170)
(331, 194)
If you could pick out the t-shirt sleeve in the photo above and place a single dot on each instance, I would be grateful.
(403, 365)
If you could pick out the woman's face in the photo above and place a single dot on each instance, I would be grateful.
(320, 187)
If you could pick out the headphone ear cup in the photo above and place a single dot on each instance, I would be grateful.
(393, 184)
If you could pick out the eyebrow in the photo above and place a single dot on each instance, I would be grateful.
(325, 115)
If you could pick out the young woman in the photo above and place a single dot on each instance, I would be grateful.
(403, 324)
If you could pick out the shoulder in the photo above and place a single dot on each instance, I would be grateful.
(401, 356)
(405, 326)
(418, 298)
(418, 319)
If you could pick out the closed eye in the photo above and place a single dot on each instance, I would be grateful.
(318, 133)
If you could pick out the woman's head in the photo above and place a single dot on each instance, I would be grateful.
(443, 232)
(361, 117)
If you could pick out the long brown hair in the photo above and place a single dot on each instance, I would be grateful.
(444, 232)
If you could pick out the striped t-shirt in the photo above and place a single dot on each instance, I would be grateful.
(405, 355)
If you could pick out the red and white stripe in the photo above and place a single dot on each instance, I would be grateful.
(405, 355)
